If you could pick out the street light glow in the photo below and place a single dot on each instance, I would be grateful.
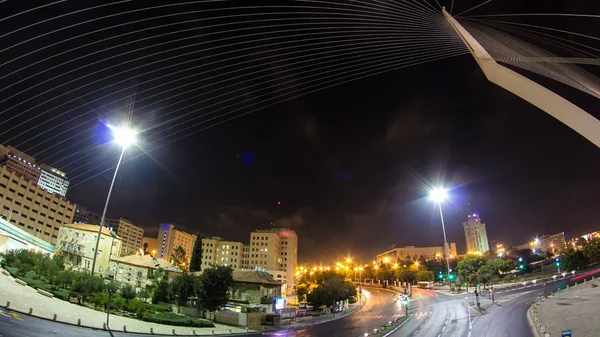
(438, 194)
(123, 136)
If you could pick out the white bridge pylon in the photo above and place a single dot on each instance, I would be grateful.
(546, 100)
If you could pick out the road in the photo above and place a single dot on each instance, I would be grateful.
(380, 309)
(17, 325)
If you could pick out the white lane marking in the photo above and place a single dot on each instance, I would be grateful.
(414, 333)
(444, 328)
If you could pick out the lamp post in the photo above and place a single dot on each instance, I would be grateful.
(124, 137)
(113, 234)
(438, 195)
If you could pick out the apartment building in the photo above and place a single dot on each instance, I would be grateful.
(85, 216)
(170, 238)
(23, 203)
(276, 251)
(219, 252)
(476, 234)
(131, 235)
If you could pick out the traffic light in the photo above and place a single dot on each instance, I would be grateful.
(557, 262)
(521, 266)
(451, 277)
(441, 276)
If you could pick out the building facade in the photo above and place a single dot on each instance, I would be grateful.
(415, 253)
(170, 238)
(53, 180)
(219, 252)
(476, 234)
(554, 243)
(131, 235)
(136, 270)
(276, 251)
(77, 243)
(35, 210)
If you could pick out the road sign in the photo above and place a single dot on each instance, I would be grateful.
(566, 333)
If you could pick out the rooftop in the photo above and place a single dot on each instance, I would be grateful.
(89, 228)
(147, 261)
(251, 276)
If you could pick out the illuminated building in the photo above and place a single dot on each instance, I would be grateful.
(170, 238)
(219, 252)
(476, 234)
(131, 235)
(414, 253)
(275, 251)
(26, 205)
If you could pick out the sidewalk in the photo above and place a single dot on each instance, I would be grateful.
(22, 298)
(575, 308)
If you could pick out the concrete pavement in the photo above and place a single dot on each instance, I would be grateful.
(573, 309)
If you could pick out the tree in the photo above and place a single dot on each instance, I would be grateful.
(183, 288)
(332, 290)
(160, 285)
(573, 259)
(424, 275)
(196, 260)
(127, 292)
(301, 292)
(179, 258)
(212, 287)
(591, 250)
(468, 267)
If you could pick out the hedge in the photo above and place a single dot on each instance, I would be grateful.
(170, 318)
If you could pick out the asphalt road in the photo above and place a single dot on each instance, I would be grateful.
(380, 309)
(17, 325)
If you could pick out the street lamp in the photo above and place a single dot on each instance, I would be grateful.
(125, 137)
(439, 195)
(112, 243)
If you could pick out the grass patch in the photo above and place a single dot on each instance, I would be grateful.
(170, 318)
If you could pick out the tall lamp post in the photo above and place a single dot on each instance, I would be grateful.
(113, 234)
(438, 195)
(124, 137)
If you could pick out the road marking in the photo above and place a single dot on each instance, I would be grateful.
(469, 335)
(16, 316)
(414, 333)
(4, 314)
(444, 328)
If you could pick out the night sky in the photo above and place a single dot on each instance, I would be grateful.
(351, 164)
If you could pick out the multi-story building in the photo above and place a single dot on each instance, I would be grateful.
(476, 234)
(131, 235)
(53, 180)
(553, 243)
(209, 251)
(170, 238)
(77, 243)
(46, 177)
(32, 208)
(276, 251)
(85, 216)
(20, 163)
(219, 252)
(415, 253)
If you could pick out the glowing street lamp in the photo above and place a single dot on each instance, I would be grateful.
(125, 137)
(439, 195)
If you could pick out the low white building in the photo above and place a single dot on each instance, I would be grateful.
(135, 270)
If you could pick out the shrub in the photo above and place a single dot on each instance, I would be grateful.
(61, 294)
(170, 318)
